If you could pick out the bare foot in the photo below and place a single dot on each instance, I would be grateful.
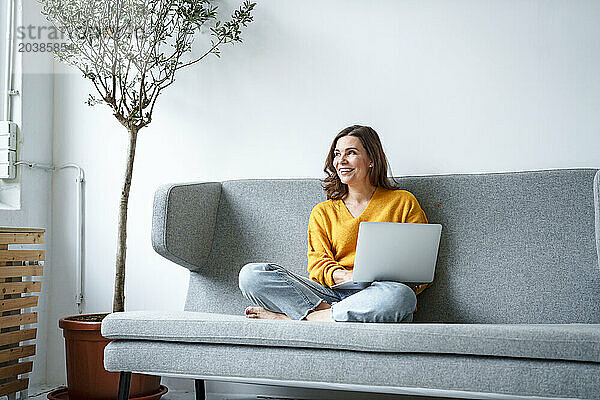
(320, 313)
(261, 313)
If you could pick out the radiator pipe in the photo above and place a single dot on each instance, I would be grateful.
(79, 273)
(8, 71)
(80, 223)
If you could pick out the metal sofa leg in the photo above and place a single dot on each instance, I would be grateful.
(124, 382)
(200, 393)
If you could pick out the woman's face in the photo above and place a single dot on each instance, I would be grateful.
(350, 160)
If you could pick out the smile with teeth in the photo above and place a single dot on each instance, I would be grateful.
(344, 171)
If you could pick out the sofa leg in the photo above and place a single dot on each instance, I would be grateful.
(200, 393)
(124, 382)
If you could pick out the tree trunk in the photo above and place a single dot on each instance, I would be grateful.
(119, 298)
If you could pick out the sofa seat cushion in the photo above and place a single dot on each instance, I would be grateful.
(574, 342)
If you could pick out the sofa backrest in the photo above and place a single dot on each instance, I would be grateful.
(515, 248)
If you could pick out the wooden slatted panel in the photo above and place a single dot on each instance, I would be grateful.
(17, 352)
(17, 336)
(15, 264)
(17, 304)
(20, 287)
(15, 370)
(7, 272)
(20, 230)
(22, 238)
(13, 387)
(17, 320)
(22, 255)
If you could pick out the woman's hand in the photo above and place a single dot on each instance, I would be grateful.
(342, 275)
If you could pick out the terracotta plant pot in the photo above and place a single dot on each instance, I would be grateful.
(86, 377)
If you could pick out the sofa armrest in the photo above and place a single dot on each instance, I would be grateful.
(183, 222)
(597, 211)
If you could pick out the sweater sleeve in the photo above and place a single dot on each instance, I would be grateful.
(321, 263)
(415, 214)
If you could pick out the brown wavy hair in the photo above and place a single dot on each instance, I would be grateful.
(378, 175)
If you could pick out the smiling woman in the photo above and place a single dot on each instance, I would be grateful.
(359, 143)
(358, 190)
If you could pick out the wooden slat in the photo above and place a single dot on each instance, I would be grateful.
(15, 370)
(17, 352)
(20, 230)
(14, 387)
(17, 336)
(22, 238)
(35, 270)
(20, 287)
(18, 303)
(22, 255)
(18, 320)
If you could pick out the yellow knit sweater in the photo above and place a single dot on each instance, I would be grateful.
(333, 231)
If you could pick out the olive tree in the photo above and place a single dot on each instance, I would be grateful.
(131, 51)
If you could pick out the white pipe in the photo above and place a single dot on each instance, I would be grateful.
(47, 167)
(79, 273)
(8, 71)
(80, 224)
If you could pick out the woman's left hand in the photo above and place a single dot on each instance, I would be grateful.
(341, 276)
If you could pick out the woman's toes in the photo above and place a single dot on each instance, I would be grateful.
(251, 311)
(262, 313)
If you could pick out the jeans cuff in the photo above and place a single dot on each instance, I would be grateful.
(311, 309)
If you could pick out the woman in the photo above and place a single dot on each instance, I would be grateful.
(357, 190)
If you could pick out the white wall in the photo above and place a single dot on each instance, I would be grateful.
(451, 86)
(32, 111)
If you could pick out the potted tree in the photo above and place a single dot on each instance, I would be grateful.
(131, 51)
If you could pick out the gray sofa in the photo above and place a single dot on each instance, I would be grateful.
(514, 311)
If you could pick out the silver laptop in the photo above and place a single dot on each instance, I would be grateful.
(389, 251)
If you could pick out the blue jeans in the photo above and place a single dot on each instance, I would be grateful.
(278, 290)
